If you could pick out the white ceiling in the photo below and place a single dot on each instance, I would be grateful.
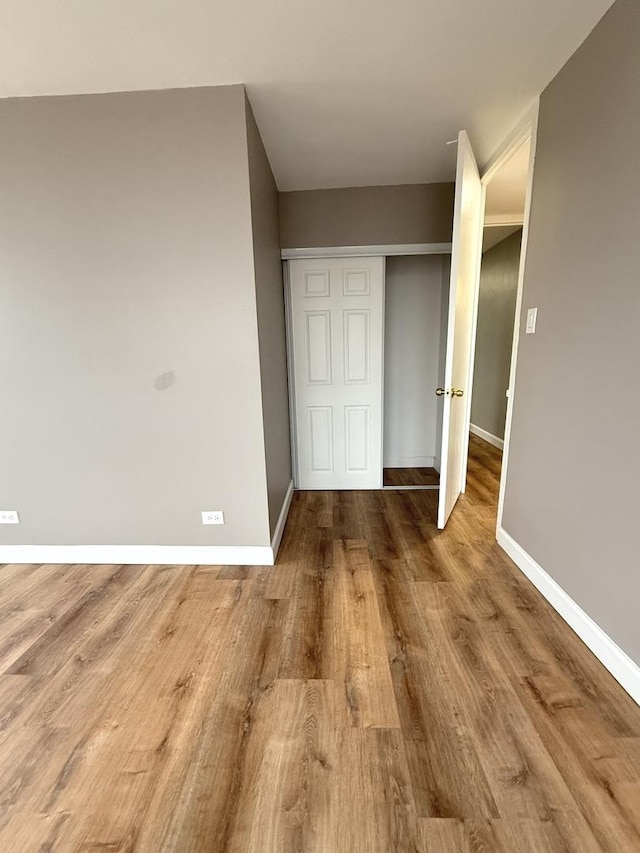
(507, 191)
(346, 92)
(505, 199)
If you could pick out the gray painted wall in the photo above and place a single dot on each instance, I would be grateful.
(494, 337)
(271, 321)
(367, 216)
(574, 466)
(413, 296)
(129, 360)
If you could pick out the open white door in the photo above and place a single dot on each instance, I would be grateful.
(465, 270)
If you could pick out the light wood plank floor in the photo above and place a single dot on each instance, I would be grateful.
(385, 688)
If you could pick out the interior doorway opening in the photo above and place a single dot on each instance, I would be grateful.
(507, 187)
(416, 300)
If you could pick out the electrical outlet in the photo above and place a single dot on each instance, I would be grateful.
(9, 516)
(213, 516)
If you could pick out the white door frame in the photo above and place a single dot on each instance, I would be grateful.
(380, 251)
(385, 251)
(526, 129)
(288, 333)
(324, 252)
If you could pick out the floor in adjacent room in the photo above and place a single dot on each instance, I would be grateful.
(385, 687)
(410, 477)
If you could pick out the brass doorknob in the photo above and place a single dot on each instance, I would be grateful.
(457, 392)
(440, 392)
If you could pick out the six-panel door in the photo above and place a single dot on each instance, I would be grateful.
(337, 341)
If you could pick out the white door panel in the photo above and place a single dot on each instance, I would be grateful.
(337, 310)
(465, 269)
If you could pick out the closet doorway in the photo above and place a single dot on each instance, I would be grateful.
(336, 322)
(416, 304)
(367, 343)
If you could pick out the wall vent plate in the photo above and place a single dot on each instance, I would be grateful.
(9, 516)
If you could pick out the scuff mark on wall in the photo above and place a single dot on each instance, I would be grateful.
(164, 380)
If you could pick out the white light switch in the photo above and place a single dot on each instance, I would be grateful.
(532, 317)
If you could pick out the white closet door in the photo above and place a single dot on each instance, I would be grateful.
(337, 315)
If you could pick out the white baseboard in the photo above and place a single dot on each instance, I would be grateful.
(488, 436)
(619, 664)
(409, 462)
(437, 463)
(156, 555)
(282, 520)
